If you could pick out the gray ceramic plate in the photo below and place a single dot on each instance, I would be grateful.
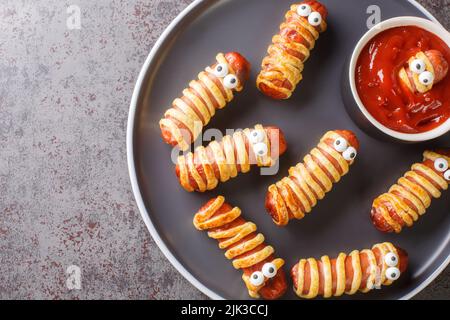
(341, 221)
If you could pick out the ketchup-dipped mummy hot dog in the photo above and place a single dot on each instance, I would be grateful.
(290, 48)
(407, 200)
(262, 272)
(424, 70)
(359, 271)
(221, 161)
(213, 89)
(308, 182)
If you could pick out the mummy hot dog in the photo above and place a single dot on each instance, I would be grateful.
(424, 70)
(221, 161)
(213, 89)
(359, 271)
(262, 272)
(282, 67)
(407, 200)
(297, 194)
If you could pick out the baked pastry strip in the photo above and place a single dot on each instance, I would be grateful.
(411, 196)
(213, 89)
(359, 271)
(424, 70)
(222, 160)
(296, 195)
(282, 67)
(262, 271)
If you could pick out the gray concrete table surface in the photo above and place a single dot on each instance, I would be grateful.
(65, 195)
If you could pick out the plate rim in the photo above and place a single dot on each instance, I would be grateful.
(133, 173)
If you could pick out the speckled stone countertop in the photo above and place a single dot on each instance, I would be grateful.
(65, 195)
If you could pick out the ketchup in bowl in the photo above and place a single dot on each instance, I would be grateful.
(385, 95)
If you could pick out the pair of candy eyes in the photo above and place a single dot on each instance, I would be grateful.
(257, 139)
(391, 260)
(268, 271)
(314, 18)
(441, 165)
(230, 81)
(348, 152)
(418, 66)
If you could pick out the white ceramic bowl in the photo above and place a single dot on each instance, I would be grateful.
(425, 24)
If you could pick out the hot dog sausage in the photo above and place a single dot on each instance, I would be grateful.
(213, 89)
(407, 200)
(262, 272)
(359, 271)
(282, 67)
(221, 161)
(308, 182)
(424, 70)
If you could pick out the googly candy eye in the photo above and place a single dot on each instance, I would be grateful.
(391, 259)
(447, 175)
(340, 144)
(260, 149)
(256, 136)
(269, 270)
(230, 81)
(257, 278)
(417, 66)
(304, 10)
(392, 273)
(221, 70)
(350, 154)
(315, 19)
(426, 78)
(441, 164)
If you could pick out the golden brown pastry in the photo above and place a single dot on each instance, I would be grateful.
(262, 272)
(424, 70)
(407, 200)
(308, 182)
(221, 161)
(359, 271)
(282, 67)
(213, 89)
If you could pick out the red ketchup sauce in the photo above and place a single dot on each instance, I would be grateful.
(381, 90)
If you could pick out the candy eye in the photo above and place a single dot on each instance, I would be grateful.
(447, 175)
(230, 81)
(315, 19)
(257, 278)
(441, 165)
(340, 144)
(221, 70)
(417, 66)
(269, 270)
(350, 154)
(426, 78)
(391, 259)
(304, 10)
(256, 136)
(260, 149)
(392, 273)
